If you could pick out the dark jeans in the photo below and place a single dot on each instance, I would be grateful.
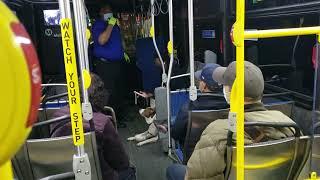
(176, 172)
(128, 174)
(112, 74)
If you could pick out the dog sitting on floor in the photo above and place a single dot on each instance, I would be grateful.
(151, 135)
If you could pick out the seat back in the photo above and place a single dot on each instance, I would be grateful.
(286, 107)
(198, 121)
(278, 160)
(52, 156)
(178, 99)
(316, 150)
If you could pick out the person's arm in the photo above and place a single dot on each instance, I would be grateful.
(113, 150)
(207, 160)
(186, 176)
(105, 35)
(179, 128)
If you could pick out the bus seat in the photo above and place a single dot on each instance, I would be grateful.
(280, 163)
(109, 111)
(178, 99)
(145, 55)
(160, 94)
(198, 121)
(21, 165)
(286, 107)
(53, 156)
(285, 158)
(316, 149)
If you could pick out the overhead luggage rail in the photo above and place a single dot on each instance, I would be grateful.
(239, 35)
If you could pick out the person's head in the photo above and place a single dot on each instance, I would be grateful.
(206, 83)
(105, 11)
(98, 95)
(253, 81)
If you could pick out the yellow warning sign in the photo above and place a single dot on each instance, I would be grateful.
(72, 81)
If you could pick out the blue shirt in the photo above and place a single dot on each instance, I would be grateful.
(112, 50)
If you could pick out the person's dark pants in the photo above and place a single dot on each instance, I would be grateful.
(176, 172)
(128, 174)
(112, 74)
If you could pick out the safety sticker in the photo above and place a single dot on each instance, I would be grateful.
(72, 81)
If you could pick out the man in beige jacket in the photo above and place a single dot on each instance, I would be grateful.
(208, 159)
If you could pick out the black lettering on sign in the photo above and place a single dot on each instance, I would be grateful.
(66, 35)
(67, 42)
(65, 26)
(76, 131)
(73, 100)
(70, 75)
(71, 84)
(77, 138)
(69, 59)
(72, 92)
(75, 116)
(68, 51)
(76, 122)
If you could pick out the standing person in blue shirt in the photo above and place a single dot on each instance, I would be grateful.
(109, 54)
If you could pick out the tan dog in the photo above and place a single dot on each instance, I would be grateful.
(151, 135)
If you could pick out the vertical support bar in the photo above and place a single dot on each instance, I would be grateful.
(237, 93)
(82, 43)
(316, 98)
(71, 67)
(81, 164)
(152, 34)
(169, 76)
(193, 89)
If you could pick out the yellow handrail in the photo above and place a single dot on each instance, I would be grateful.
(281, 32)
(269, 164)
(237, 93)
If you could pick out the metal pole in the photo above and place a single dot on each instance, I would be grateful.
(193, 89)
(164, 76)
(82, 43)
(169, 76)
(81, 163)
(65, 12)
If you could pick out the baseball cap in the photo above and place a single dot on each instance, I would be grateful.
(253, 78)
(206, 75)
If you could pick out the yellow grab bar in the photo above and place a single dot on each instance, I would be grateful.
(270, 164)
(237, 92)
(281, 32)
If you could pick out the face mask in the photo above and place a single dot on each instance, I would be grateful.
(107, 16)
(226, 95)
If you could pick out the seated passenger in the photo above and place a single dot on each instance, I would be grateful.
(114, 161)
(208, 158)
(207, 86)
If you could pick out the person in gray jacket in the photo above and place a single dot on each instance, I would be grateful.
(208, 159)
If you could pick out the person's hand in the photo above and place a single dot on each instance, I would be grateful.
(127, 58)
(112, 21)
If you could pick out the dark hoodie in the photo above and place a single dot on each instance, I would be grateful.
(112, 155)
(204, 102)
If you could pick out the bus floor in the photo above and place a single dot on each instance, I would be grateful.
(150, 161)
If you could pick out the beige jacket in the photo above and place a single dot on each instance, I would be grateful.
(207, 161)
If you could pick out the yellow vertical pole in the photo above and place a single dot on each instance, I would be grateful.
(237, 94)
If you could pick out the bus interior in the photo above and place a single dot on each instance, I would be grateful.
(288, 65)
